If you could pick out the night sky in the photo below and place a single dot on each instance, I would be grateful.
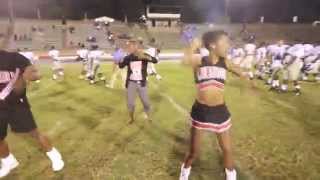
(193, 10)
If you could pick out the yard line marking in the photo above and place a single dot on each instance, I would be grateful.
(178, 107)
(175, 104)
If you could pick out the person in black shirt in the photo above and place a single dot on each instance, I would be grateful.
(137, 63)
(15, 72)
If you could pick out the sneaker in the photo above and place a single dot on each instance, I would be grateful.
(185, 172)
(158, 77)
(56, 160)
(231, 175)
(7, 164)
(109, 86)
(57, 165)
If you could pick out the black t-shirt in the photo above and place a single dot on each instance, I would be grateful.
(137, 68)
(12, 66)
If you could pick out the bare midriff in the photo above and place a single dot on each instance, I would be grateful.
(210, 96)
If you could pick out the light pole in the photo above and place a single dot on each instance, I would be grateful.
(226, 7)
(11, 13)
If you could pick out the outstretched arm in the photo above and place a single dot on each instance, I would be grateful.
(236, 70)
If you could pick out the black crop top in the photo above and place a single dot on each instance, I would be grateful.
(208, 74)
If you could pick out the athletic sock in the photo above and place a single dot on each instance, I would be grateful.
(54, 154)
(251, 75)
(185, 172)
(231, 174)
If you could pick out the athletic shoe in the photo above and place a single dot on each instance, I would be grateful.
(109, 86)
(7, 164)
(158, 77)
(56, 159)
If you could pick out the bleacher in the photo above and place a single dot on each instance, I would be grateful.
(168, 37)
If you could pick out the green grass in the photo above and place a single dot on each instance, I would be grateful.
(276, 136)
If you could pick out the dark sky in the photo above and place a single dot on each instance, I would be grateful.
(193, 10)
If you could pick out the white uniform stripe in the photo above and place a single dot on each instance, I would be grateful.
(7, 90)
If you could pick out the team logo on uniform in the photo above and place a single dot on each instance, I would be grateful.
(211, 72)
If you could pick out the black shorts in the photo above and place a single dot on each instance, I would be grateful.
(212, 118)
(19, 117)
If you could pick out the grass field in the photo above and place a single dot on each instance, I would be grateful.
(276, 136)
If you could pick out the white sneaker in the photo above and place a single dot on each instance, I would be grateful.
(231, 175)
(57, 165)
(56, 159)
(145, 116)
(158, 77)
(7, 164)
(185, 172)
(109, 86)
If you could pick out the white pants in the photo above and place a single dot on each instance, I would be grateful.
(292, 72)
(237, 60)
(247, 62)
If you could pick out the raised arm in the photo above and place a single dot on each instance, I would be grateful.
(234, 69)
(124, 62)
(190, 58)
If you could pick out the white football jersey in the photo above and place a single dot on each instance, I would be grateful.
(250, 49)
(95, 55)
(29, 55)
(204, 52)
(54, 53)
(261, 52)
(151, 52)
(297, 51)
(83, 53)
(277, 51)
(238, 52)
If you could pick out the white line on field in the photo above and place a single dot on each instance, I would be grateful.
(178, 107)
(175, 104)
